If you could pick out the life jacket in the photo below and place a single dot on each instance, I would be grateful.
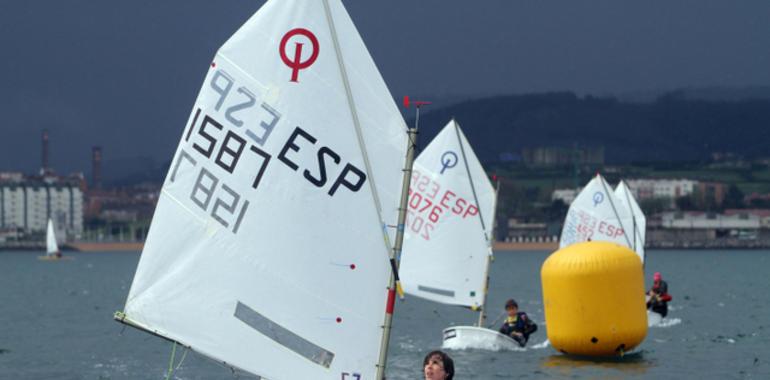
(662, 291)
(520, 323)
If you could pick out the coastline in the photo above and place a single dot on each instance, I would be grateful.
(522, 246)
(499, 246)
(106, 246)
(77, 246)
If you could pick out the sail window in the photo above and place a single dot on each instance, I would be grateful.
(441, 292)
(283, 336)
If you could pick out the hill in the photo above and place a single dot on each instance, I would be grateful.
(677, 126)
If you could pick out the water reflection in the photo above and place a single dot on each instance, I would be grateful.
(630, 364)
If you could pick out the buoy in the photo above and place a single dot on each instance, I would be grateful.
(593, 293)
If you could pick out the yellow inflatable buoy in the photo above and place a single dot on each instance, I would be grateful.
(593, 294)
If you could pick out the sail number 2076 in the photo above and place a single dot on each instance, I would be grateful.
(428, 204)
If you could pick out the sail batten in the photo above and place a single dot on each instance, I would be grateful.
(266, 249)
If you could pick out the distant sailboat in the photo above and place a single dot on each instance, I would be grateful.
(269, 247)
(448, 247)
(597, 214)
(52, 251)
(639, 221)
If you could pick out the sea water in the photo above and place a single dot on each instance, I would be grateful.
(56, 323)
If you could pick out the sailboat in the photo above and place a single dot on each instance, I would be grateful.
(448, 244)
(270, 244)
(52, 251)
(597, 214)
(639, 221)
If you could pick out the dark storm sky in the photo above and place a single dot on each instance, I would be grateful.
(124, 74)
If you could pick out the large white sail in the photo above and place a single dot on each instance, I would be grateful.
(638, 227)
(268, 250)
(50, 240)
(596, 215)
(448, 236)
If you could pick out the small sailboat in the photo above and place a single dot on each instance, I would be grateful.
(639, 221)
(52, 251)
(448, 244)
(269, 250)
(597, 214)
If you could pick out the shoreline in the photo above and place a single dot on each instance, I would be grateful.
(499, 246)
(531, 246)
(77, 247)
(106, 246)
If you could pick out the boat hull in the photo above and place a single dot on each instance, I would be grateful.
(478, 338)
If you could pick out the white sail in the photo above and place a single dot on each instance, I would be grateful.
(50, 240)
(448, 236)
(596, 215)
(639, 222)
(267, 250)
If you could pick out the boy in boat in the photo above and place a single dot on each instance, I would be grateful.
(437, 365)
(658, 295)
(517, 325)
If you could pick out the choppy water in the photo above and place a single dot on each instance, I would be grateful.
(56, 323)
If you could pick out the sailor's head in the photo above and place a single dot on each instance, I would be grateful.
(511, 307)
(437, 365)
(657, 277)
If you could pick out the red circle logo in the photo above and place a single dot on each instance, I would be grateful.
(297, 63)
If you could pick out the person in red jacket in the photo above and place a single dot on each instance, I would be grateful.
(658, 297)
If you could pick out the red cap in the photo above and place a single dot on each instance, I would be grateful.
(657, 276)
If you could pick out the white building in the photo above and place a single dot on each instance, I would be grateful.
(708, 220)
(565, 195)
(661, 188)
(27, 203)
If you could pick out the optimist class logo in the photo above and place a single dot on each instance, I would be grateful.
(598, 198)
(448, 161)
(296, 64)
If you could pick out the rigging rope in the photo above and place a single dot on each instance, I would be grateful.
(496, 319)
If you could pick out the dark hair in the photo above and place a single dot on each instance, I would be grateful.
(449, 365)
(511, 303)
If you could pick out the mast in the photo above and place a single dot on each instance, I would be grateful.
(481, 219)
(395, 254)
(490, 257)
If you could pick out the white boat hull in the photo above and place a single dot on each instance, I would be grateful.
(471, 337)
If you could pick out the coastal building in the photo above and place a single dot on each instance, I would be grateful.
(531, 232)
(699, 229)
(661, 188)
(710, 193)
(562, 156)
(762, 214)
(27, 202)
(565, 195)
(710, 220)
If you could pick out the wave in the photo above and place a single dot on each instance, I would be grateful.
(541, 345)
(655, 320)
